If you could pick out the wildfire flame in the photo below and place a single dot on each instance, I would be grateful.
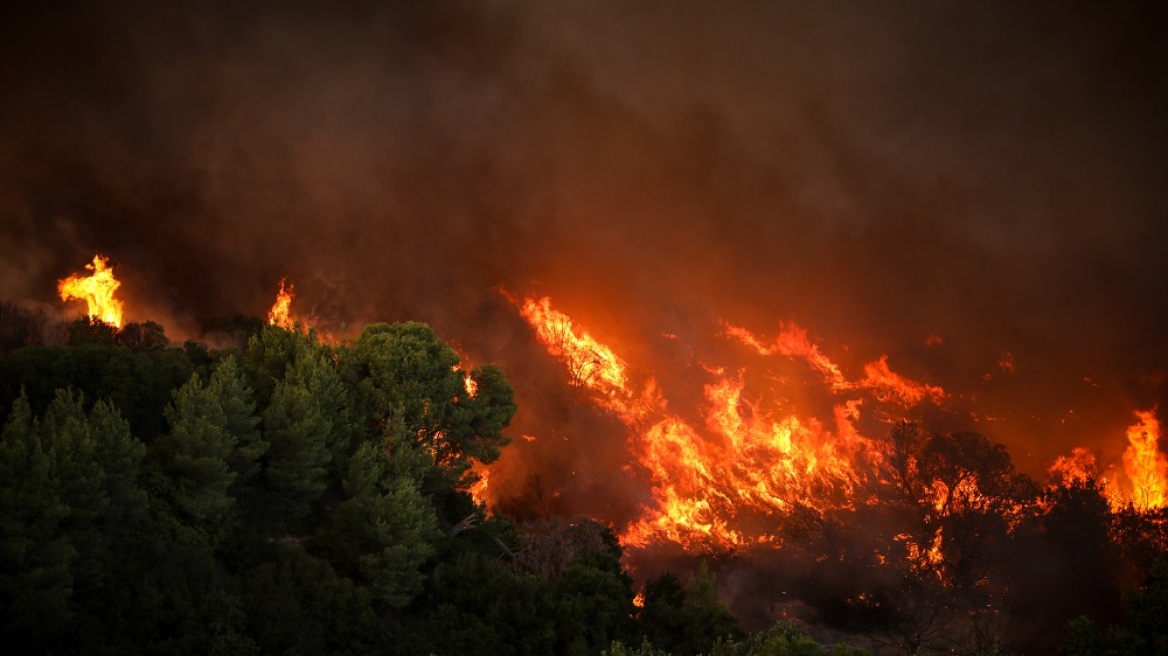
(478, 489)
(732, 478)
(590, 363)
(281, 312)
(1075, 469)
(97, 290)
(1145, 466)
(1143, 483)
(879, 378)
(746, 463)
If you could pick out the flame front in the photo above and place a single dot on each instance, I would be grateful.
(738, 470)
(97, 290)
(733, 477)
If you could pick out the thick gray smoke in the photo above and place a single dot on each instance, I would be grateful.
(988, 174)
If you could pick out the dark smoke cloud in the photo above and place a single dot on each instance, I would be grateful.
(880, 173)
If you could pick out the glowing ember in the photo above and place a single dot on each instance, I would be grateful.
(281, 312)
(97, 290)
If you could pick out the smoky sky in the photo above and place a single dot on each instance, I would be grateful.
(990, 174)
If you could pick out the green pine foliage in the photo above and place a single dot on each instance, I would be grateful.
(287, 496)
(282, 496)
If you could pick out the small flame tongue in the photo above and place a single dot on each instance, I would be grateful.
(97, 290)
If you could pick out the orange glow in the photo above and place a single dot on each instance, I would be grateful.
(97, 290)
(281, 312)
(1145, 466)
(639, 600)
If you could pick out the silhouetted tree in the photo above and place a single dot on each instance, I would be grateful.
(685, 620)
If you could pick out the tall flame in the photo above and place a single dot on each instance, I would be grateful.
(97, 290)
(1143, 483)
(281, 312)
(1146, 467)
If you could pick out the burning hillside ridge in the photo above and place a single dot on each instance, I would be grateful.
(737, 470)
(749, 457)
(829, 497)
(821, 494)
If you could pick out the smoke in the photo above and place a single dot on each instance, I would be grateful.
(885, 175)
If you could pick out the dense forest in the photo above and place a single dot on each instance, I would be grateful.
(279, 494)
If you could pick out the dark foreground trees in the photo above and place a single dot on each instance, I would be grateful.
(288, 496)
(291, 496)
(285, 497)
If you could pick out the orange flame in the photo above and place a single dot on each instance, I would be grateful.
(1076, 469)
(730, 480)
(891, 386)
(97, 290)
(1143, 483)
(886, 384)
(281, 312)
(1145, 466)
(792, 341)
(478, 489)
(591, 364)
